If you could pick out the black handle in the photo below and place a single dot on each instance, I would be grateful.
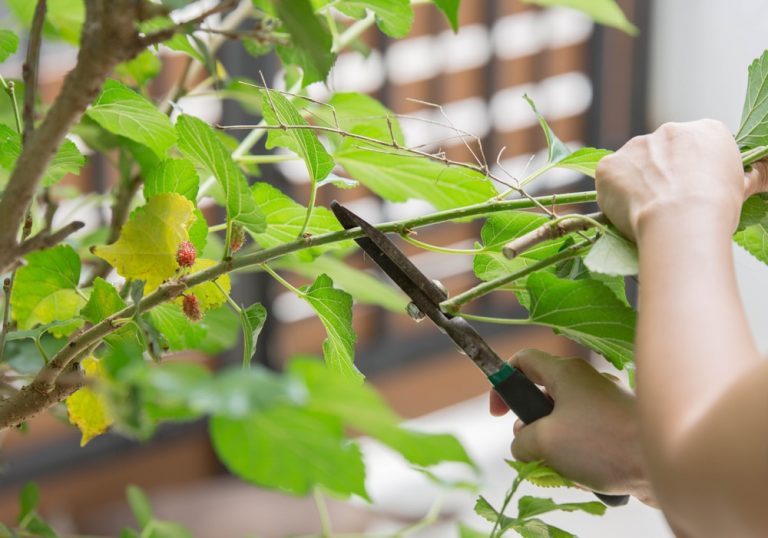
(529, 403)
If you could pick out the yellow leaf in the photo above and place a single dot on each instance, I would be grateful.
(209, 296)
(87, 409)
(146, 248)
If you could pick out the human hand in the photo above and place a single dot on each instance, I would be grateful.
(591, 436)
(682, 170)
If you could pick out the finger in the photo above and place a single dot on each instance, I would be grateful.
(538, 366)
(526, 445)
(519, 425)
(756, 180)
(611, 377)
(498, 407)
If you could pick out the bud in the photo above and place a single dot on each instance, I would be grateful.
(191, 307)
(186, 254)
(238, 237)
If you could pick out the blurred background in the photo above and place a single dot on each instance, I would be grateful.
(596, 86)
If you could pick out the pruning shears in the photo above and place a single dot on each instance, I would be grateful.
(522, 396)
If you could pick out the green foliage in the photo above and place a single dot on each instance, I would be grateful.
(150, 526)
(539, 474)
(311, 42)
(200, 144)
(586, 311)
(173, 175)
(63, 20)
(252, 320)
(613, 255)
(124, 112)
(45, 290)
(334, 308)
(67, 160)
(9, 42)
(393, 17)
(753, 129)
(450, 9)
(603, 11)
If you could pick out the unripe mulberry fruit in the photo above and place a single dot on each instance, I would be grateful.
(191, 307)
(238, 238)
(186, 254)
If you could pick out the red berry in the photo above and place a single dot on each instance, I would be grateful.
(186, 254)
(238, 238)
(191, 307)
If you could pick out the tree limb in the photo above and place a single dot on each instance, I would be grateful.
(31, 67)
(552, 230)
(46, 240)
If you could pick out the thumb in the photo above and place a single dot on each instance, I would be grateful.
(756, 180)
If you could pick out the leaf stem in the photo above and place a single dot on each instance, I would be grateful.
(453, 305)
(281, 280)
(753, 155)
(498, 321)
(525, 181)
(310, 207)
(232, 303)
(323, 514)
(266, 159)
(443, 250)
(353, 32)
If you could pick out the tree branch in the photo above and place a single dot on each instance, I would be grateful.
(31, 67)
(552, 230)
(46, 240)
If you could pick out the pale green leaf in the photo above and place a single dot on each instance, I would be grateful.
(45, 289)
(334, 308)
(528, 507)
(450, 9)
(605, 12)
(346, 111)
(468, 532)
(278, 110)
(146, 248)
(124, 112)
(613, 255)
(586, 311)
(286, 217)
(393, 17)
(199, 142)
(63, 18)
(141, 69)
(556, 150)
(178, 331)
(67, 160)
(172, 175)
(363, 286)
(198, 232)
(310, 46)
(539, 474)
(583, 160)
(753, 130)
(139, 504)
(252, 320)
(290, 449)
(179, 42)
(9, 42)
(398, 176)
(535, 528)
(103, 302)
(754, 239)
(361, 408)
(87, 408)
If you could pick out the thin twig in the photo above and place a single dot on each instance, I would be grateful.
(46, 240)
(552, 230)
(7, 287)
(31, 67)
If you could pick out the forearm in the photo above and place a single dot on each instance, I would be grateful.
(693, 339)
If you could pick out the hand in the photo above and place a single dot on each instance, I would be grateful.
(591, 436)
(683, 170)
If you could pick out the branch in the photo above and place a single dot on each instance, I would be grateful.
(167, 33)
(42, 390)
(552, 230)
(452, 306)
(45, 240)
(31, 67)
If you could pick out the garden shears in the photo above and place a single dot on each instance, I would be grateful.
(522, 396)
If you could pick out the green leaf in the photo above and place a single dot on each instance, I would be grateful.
(311, 42)
(140, 70)
(583, 160)
(346, 111)
(556, 150)
(278, 110)
(45, 289)
(753, 130)
(539, 474)
(180, 42)
(535, 528)
(63, 18)
(169, 529)
(172, 175)
(223, 331)
(613, 255)
(198, 232)
(87, 407)
(252, 320)
(67, 160)
(29, 497)
(605, 12)
(586, 311)
(528, 507)
(363, 286)
(286, 217)
(140, 506)
(468, 532)
(103, 302)
(122, 111)
(334, 308)
(450, 9)
(398, 176)
(484, 509)
(199, 142)
(178, 331)
(754, 239)
(361, 408)
(9, 42)
(146, 248)
(290, 449)
(393, 17)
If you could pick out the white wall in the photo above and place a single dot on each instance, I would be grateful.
(700, 51)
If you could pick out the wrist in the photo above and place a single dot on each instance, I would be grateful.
(686, 223)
